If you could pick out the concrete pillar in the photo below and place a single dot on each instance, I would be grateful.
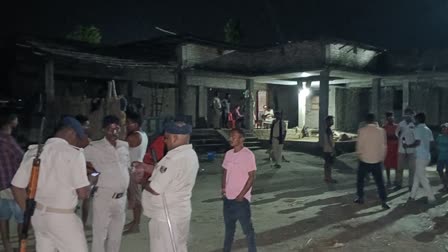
(324, 90)
(302, 103)
(332, 104)
(375, 97)
(250, 105)
(406, 93)
(181, 83)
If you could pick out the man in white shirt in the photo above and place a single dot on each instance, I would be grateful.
(166, 199)
(371, 147)
(62, 181)
(110, 157)
(217, 109)
(423, 139)
(406, 156)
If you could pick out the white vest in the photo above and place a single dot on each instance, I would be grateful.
(138, 153)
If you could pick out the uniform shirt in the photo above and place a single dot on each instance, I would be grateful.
(138, 153)
(442, 146)
(424, 135)
(62, 171)
(174, 176)
(405, 131)
(112, 162)
(238, 165)
(371, 144)
(10, 158)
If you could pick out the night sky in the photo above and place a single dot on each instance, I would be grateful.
(385, 23)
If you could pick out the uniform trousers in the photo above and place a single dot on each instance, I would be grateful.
(58, 232)
(420, 178)
(160, 238)
(109, 216)
(405, 161)
(277, 149)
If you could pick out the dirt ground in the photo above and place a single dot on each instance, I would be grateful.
(293, 210)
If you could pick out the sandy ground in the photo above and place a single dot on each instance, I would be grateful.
(293, 210)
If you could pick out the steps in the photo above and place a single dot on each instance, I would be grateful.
(206, 140)
(252, 142)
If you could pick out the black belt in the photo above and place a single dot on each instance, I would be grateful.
(117, 195)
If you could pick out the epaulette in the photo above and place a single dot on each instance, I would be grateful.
(33, 146)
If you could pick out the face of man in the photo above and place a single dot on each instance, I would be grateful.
(408, 117)
(390, 119)
(112, 132)
(131, 126)
(445, 130)
(236, 139)
(170, 141)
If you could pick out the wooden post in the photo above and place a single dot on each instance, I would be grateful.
(250, 105)
(375, 97)
(405, 95)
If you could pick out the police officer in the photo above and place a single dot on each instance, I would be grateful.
(62, 180)
(166, 199)
(110, 157)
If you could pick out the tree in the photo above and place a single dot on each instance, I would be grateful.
(89, 34)
(232, 31)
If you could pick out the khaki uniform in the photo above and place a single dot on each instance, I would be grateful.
(277, 147)
(109, 202)
(62, 171)
(174, 177)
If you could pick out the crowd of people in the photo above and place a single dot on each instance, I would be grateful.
(155, 177)
(392, 146)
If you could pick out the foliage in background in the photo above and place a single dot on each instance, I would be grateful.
(89, 34)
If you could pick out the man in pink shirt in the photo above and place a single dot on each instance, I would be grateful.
(237, 181)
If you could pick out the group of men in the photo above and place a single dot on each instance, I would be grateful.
(394, 146)
(109, 170)
(112, 172)
(221, 111)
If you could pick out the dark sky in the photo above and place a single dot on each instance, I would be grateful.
(386, 23)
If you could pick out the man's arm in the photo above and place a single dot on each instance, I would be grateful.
(223, 182)
(148, 188)
(83, 192)
(134, 139)
(20, 196)
(247, 186)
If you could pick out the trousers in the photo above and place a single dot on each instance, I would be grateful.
(58, 232)
(238, 211)
(421, 179)
(405, 161)
(277, 149)
(377, 173)
(109, 216)
(160, 237)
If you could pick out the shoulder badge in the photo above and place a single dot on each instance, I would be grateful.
(163, 169)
